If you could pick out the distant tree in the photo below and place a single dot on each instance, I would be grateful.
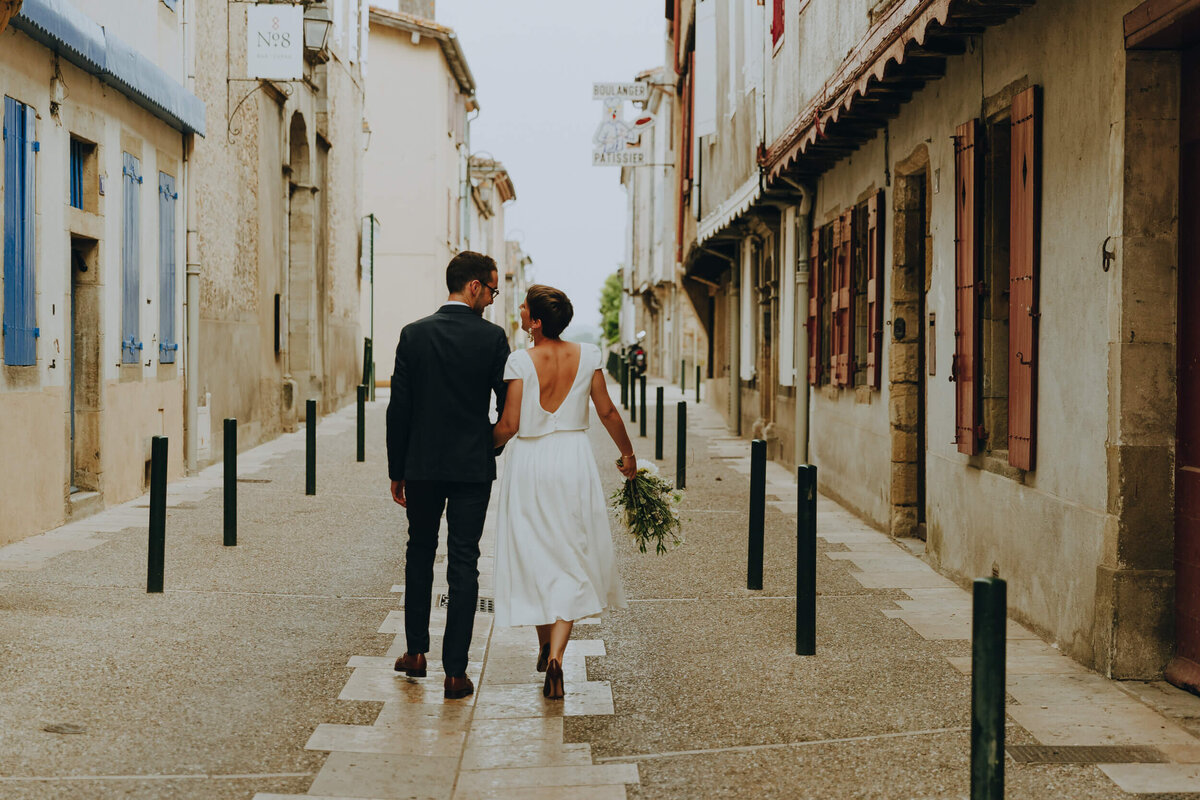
(610, 308)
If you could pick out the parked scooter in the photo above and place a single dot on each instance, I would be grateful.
(637, 357)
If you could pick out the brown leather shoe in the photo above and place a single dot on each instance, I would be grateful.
(411, 664)
(458, 687)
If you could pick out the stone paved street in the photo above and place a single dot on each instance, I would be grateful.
(264, 671)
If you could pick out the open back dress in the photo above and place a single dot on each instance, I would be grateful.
(554, 550)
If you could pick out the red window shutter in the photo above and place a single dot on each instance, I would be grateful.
(777, 23)
(814, 309)
(875, 228)
(844, 366)
(1025, 232)
(965, 370)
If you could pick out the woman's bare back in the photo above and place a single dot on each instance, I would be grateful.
(557, 366)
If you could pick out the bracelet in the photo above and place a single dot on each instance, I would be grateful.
(629, 455)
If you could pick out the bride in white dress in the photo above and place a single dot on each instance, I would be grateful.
(554, 553)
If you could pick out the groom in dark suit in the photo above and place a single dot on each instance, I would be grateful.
(440, 456)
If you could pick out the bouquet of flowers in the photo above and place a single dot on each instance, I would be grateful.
(650, 508)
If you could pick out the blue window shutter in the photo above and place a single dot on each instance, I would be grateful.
(131, 346)
(20, 311)
(166, 266)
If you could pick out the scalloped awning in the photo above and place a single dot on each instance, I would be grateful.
(902, 51)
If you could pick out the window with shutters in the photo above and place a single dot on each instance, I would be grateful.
(19, 325)
(858, 296)
(131, 263)
(824, 281)
(997, 229)
(84, 194)
(167, 199)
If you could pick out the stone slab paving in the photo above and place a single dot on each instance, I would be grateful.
(504, 741)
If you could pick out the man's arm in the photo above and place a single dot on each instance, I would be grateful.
(499, 387)
(399, 415)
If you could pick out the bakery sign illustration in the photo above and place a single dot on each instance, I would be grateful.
(617, 141)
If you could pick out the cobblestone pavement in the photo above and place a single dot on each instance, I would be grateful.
(264, 671)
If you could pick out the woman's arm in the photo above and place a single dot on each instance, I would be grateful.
(611, 419)
(510, 419)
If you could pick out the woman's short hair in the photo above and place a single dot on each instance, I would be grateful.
(551, 307)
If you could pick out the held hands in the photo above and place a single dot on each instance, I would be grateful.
(627, 465)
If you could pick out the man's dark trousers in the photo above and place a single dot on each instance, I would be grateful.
(465, 505)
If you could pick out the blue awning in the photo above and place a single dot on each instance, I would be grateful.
(76, 37)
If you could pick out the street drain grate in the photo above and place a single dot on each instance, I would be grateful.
(1084, 754)
(486, 604)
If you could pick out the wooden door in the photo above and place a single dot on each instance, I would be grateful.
(1187, 476)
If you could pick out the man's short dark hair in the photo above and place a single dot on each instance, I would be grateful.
(551, 307)
(468, 266)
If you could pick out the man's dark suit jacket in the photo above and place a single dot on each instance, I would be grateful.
(447, 364)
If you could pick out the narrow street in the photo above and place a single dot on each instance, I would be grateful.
(264, 671)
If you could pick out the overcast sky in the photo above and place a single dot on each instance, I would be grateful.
(534, 62)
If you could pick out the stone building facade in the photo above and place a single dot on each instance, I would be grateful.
(98, 129)
(965, 235)
(181, 242)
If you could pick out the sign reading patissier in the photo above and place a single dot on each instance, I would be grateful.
(617, 141)
(275, 41)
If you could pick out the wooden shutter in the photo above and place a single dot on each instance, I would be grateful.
(875, 228)
(844, 308)
(166, 269)
(1024, 245)
(835, 293)
(814, 309)
(19, 325)
(777, 22)
(131, 348)
(965, 370)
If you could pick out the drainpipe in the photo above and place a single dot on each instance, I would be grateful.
(803, 271)
(192, 258)
(735, 349)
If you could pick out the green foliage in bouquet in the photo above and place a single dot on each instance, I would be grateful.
(650, 508)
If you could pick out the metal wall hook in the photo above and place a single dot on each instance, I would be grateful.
(1108, 256)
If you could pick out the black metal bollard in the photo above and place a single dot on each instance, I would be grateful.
(681, 445)
(989, 623)
(758, 499)
(658, 425)
(230, 482)
(633, 400)
(362, 424)
(806, 561)
(642, 427)
(683, 375)
(697, 383)
(158, 514)
(624, 383)
(310, 450)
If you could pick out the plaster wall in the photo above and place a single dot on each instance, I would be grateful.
(1044, 530)
(98, 114)
(411, 183)
(246, 187)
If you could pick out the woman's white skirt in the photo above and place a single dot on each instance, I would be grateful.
(554, 550)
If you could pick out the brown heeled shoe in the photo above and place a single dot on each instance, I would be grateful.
(553, 688)
(543, 657)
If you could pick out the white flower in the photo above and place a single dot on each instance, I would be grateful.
(648, 466)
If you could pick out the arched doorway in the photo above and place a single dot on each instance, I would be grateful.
(302, 326)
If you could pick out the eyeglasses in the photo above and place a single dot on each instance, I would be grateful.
(495, 290)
